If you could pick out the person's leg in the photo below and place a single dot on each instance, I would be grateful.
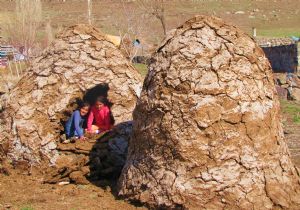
(69, 133)
(76, 133)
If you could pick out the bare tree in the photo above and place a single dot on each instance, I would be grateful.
(130, 25)
(155, 8)
(21, 29)
(49, 33)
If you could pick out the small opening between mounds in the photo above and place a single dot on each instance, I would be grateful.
(99, 158)
(89, 97)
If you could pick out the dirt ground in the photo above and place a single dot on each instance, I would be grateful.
(23, 192)
(291, 122)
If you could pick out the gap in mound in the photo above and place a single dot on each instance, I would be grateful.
(97, 160)
(89, 96)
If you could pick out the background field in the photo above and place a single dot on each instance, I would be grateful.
(274, 18)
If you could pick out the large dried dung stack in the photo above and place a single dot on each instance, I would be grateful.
(79, 59)
(99, 158)
(207, 131)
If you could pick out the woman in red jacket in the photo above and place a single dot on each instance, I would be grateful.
(100, 117)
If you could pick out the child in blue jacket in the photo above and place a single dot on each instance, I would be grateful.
(74, 125)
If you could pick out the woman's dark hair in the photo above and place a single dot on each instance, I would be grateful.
(106, 102)
(91, 95)
(112, 119)
(82, 104)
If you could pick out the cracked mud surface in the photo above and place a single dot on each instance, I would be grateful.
(207, 133)
(79, 59)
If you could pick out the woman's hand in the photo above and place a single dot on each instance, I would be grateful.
(88, 131)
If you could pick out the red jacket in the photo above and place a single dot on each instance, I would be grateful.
(101, 117)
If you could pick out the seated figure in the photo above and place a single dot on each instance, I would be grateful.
(100, 117)
(74, 125)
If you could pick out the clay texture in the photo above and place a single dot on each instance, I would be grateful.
(207, 131)
(99, 158)
(79, 59)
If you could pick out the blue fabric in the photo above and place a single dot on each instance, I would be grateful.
(74, 125)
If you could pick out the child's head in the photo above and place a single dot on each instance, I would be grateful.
(101, 101)
(83, 108)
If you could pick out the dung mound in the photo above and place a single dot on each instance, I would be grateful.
(95, 160)
(79, 60)
(207, 131)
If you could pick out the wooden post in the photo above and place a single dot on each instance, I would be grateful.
(20, 66)
(254, 31)
(17, 69)
(90, 12)
(9, 66)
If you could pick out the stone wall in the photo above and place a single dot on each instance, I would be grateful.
(282, 58)
(282, 53)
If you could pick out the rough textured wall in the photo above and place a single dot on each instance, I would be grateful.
(207, 131)
(79, 59)
(96, 159)
(282, 58)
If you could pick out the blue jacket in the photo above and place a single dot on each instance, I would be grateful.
(74, 125)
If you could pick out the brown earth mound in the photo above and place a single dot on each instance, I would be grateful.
(207, 131)
(96, 159)
(79, 60)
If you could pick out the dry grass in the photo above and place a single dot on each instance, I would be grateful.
(9, 77)
(270, 17)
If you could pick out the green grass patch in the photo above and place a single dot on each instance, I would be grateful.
(279, 32)
(142, 68)
(292, 109)
(27, 208)
(296, 118)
